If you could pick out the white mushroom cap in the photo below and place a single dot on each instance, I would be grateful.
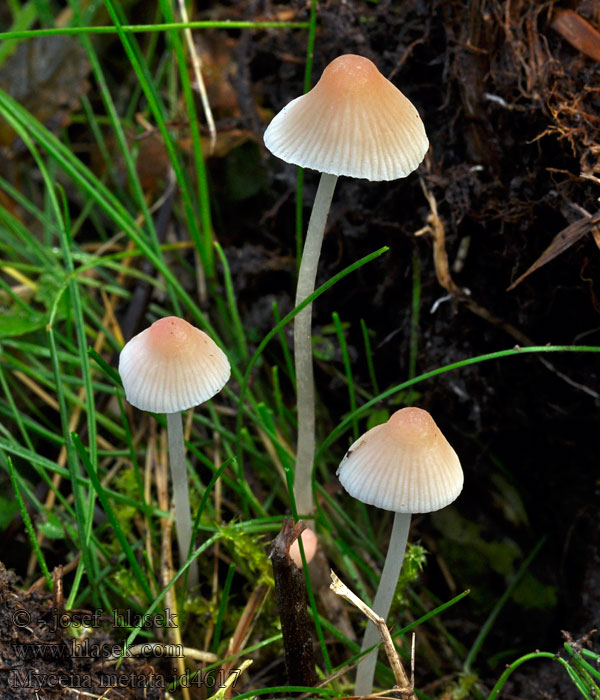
(310, 542)
(353, 122)
(172, 366)
(405, 465)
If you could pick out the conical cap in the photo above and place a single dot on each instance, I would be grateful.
(353, 122)
(405, 465)
(172, 366)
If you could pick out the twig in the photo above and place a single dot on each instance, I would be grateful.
(232, 679)
(291, 602)
(404, 685)
(66, 569)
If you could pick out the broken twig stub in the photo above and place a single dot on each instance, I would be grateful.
(290, 590)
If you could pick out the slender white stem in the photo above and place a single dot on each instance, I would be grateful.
(181, 496)
(305, 390)
(383, 600)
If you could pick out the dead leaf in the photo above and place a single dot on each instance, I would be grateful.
(152, 163)
(561, 242)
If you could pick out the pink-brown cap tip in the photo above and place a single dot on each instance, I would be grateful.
(172, 366)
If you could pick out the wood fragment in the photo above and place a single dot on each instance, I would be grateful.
(291, 601)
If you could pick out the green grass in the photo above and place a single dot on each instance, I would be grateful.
(71, 250)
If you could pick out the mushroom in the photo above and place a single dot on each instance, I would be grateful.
(310, 543)
(168, 368)
(405, 465)
(353, 122)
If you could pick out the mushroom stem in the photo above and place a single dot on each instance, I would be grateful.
(181, 496)
(303, 361)
(383, 600)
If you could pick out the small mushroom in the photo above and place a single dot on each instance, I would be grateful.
(310, 542)
(354, 122)
(168, 368)
(405, 465)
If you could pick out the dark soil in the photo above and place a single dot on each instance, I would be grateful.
(41, 659)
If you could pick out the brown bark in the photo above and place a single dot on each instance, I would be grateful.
(290, 589)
